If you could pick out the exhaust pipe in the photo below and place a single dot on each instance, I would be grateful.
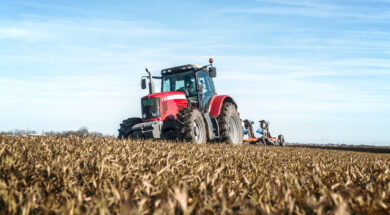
(151, 84)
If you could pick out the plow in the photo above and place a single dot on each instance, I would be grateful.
(263, 130)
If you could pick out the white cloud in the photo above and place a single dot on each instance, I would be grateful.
(317, 9)
(16, 33)
(302, 3)
(61, 103)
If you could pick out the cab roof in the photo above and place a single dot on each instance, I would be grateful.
(180, 69)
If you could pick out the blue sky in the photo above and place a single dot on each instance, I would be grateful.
(318, 70)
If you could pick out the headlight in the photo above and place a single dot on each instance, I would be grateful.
(144, 115)
(155, 114)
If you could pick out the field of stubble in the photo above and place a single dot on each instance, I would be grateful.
(50, 175)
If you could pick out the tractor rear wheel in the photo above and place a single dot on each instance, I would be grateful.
(192, 126)
(126, 125)
(281, 140)
(230, 124)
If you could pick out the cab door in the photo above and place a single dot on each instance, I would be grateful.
(205, 83)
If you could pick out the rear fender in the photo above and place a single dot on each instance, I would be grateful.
(216, 104)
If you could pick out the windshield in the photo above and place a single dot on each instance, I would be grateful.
(182, 82)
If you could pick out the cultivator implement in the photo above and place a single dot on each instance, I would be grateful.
(265, 138)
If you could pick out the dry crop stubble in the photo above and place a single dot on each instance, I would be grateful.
(107, 175)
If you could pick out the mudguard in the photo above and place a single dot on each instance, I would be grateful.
(216, 104)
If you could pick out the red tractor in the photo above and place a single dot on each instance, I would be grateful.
(188, 108)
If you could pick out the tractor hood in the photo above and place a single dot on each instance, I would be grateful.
(162, 106)
(167, 96)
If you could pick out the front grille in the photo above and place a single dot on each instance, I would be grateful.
(150, 108)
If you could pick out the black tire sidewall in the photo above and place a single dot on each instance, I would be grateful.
(188, 129)
(125, 127)
(198, 116)
(228, 110)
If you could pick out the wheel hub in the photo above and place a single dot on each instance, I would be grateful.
(233, 129)
(198, 131)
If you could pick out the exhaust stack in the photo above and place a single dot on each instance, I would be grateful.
(151, 84)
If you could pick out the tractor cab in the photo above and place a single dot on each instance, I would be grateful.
(193, 80)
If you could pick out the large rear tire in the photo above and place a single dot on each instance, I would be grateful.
(230, 124)
(192, 126)
(125, 127)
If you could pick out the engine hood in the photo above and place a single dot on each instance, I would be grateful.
(167, 96)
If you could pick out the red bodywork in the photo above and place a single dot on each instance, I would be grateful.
(216, 104)
(170, 104)
(252, 140)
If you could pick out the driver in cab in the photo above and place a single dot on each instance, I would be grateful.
(190, 86)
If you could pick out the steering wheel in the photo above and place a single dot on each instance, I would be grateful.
(184, 90)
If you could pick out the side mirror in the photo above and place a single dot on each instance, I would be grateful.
(212, 72)
(143, 84)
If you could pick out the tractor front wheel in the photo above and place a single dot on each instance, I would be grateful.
(193, 127)
(126, 125)
(230, 124)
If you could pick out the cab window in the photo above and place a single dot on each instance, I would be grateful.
(208, 91)
(182, 82)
